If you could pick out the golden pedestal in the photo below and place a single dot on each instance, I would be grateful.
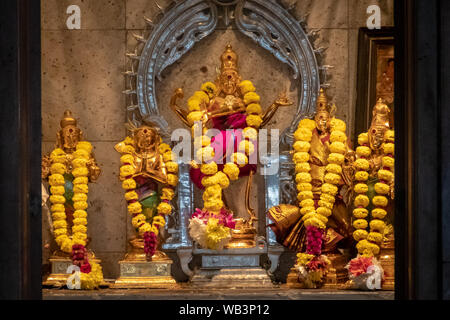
(387, 261)
(292, 280)
(136, 272)
(331, 281)
(335, 277)
(60, 261)
(243, 236)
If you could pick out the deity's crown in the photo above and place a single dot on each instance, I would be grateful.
(68, 119)
(229, 59)
(322, 102)
(380, 114)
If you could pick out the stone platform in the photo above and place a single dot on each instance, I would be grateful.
(186, 292)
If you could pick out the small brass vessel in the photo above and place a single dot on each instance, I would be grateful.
(243, 236)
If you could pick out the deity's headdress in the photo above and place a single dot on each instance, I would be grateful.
(322, 104)
(380, 115)
(229, 59)
(68, 120)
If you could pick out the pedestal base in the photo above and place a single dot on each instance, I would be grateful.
(145, 274)
(230, 278)
(58, 276)
(292, 280)
(232, 268)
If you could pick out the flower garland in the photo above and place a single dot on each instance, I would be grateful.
(215, 180)
(315, 219)
(361, 268)
(369, 243)
(211, 230)
(312, 269)
(91, 273)
(148, 230)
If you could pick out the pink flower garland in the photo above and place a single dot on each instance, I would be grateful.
(225, 217)
(150, 242)
(359, 266)
(80, 258)
(314, 240)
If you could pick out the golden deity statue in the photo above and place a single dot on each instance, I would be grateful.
(288, 220)
(67, 139)
(377, 148)
(148, 169)
(230, 105)
(149, 175)
(68, 169)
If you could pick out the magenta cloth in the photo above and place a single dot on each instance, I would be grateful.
(227, 126)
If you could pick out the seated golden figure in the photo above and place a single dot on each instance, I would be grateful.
(326, 140)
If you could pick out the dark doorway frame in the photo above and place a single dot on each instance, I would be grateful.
(20, 127)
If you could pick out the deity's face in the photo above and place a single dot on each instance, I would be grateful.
(145, 138)
(70, 136)
(376, 137)
(229, 80)
(322, 121)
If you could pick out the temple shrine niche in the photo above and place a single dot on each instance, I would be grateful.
(260, 203)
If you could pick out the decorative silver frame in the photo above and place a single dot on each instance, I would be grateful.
(182, 25)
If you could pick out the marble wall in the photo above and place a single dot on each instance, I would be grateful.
(82, 71)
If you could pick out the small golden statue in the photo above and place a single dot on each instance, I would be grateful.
(149, 175)
(324, 176)
(68, 169)
(231, 106)
(374, 186)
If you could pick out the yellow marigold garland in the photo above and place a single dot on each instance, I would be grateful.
(148, 230)
(369, 242)
(91, 275)
(303, 135)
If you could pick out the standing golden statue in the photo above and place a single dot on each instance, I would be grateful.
(68, 169)
(231, 106)
(324, 174)
(374, 186)
(149, 175)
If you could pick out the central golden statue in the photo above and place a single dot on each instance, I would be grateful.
(231, 106)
